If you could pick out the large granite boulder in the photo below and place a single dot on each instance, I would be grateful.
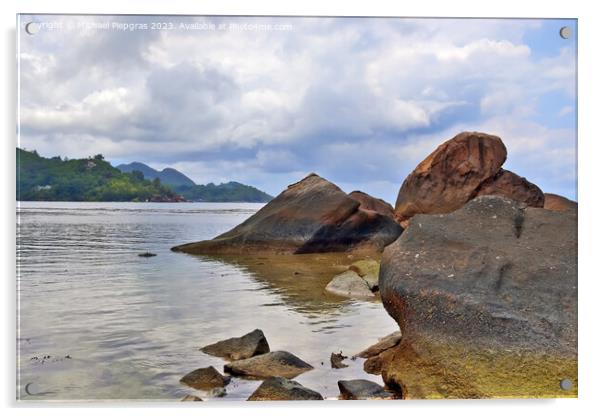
(460, 169)
(311, 216)
(271, 364)
(559, 203)
(486, 300)
(238, 348)
(280, 388)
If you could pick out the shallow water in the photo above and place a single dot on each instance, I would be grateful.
(131, 326)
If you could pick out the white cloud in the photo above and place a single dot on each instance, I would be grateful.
(356, 98)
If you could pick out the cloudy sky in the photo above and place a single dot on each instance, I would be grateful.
(265, 101)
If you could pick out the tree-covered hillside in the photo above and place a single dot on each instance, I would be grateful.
(183, 185)
(225, 192)
(93, 179)
(168, 176)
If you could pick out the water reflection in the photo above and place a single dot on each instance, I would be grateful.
(133, 326)
(298, 279)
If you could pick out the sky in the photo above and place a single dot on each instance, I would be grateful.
(267, 100)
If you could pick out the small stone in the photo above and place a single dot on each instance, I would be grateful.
(191, 398)
(271, 364)
(280, 388)
(249, 345)
(383, 344)
(336, 360)
(205, 379)
(367, 270)
(349, 284)
(362, 390)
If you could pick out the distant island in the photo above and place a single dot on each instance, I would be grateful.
(167, 176)
(95, 179)
(183, 185)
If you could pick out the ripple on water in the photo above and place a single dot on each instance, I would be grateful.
(133, 326)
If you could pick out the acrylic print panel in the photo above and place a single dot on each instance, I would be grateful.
(290, 208)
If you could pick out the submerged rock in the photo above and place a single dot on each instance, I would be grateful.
(486, 300)
(217, 392)
(362, 390)
(271, 364)
(311, 216)
(559, 203)
(280, 388)
(367, 270)
(191, 398)
(205, 379)
(349, 284)
(460, 169)
(336, 360)
(249, 345)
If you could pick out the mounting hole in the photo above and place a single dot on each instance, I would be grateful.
(566, 384)
(565, 32)
(32, 28)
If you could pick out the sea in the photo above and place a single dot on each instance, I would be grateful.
(98, 322)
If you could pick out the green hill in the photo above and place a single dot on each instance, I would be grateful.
(92, 179)
(168, 176)
(225, 192)
(183, 185)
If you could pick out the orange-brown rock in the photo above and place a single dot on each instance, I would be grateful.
(370, 203)
(462, 168)
(310, 216)
(510, 185)
(450, 175)
(558, 203)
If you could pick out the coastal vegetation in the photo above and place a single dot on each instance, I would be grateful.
(224, 192)
(89, 179)
(183, 185)
(95, 179)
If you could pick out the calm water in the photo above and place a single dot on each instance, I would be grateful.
(132, 326)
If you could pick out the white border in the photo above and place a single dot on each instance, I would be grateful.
(589, 190)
